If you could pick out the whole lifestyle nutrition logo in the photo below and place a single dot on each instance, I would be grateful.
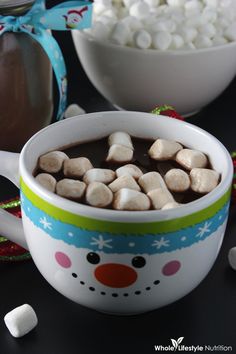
(177, 346)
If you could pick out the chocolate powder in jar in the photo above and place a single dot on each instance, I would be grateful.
(26, 97)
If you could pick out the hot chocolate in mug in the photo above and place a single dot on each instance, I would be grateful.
(120, 262)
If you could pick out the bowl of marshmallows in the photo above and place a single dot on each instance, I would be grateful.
(141, 53)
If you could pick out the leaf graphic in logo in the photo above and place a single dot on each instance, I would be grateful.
(179, 340)
(174, 343)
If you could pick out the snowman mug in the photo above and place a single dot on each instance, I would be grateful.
(118, 262)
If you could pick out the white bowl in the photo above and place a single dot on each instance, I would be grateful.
(135, 79)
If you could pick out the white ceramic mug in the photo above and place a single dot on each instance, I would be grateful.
(117, 261)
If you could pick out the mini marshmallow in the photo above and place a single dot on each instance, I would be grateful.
(47, 181)
(219, 41)
(230, 32)
(76, 167)
(120, 154)
(192, 7)
(208, 30)
(101, 29)
(129, 199)
(70, 188)
(52, 161)
(188, 33)
(177, 42)
(163, 149)
(150, 181)
(202, 41)
(120, 33)
(177, 3)
(99, 175)
(203, 180)
(189, 159)
(120, 138)
(161, 40)
(133, 23)
(160, 197)
(125, 181)
(129, 169)
(129, 3)
(98, 195)
(153, 3)
(232, 257)
(139, 9)
(99, 8)
(21, 320)
(177, 180)
(165, 25)
(171, 205)
(142, 39)
(73, 110)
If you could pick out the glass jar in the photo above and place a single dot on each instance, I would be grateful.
(26, 83)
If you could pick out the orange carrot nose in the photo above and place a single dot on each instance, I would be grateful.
(115, 275)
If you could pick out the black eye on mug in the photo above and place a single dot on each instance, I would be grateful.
(93, 258)
(138, 262)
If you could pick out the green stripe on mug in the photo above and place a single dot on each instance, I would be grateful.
(124, 227)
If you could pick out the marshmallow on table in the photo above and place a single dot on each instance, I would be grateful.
(98, 195)
(203, 180)
(129, 199)
(124, 181)
(76, 167)
(21, 320)
(52, 161)
(129, 169)
(160, 197)
(189, 159)
(163, 149)
(119, 153)
(70, 188)
(99, 175)
(150, 181)
(120, 138)
(47, 181)
(73, 110)
(177, 180)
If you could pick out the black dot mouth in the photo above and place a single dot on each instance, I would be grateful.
(125, 294)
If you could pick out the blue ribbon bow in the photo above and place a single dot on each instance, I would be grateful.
(36, 23)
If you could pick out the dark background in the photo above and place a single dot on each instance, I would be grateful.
(205, 316)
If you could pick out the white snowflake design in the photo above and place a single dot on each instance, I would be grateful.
(101, 242)
(161, 243)
(45, 223)
(203, 230)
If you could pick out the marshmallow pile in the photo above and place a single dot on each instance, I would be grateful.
(165, 24)
(128, 187)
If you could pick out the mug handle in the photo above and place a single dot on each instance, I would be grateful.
(11, 227)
